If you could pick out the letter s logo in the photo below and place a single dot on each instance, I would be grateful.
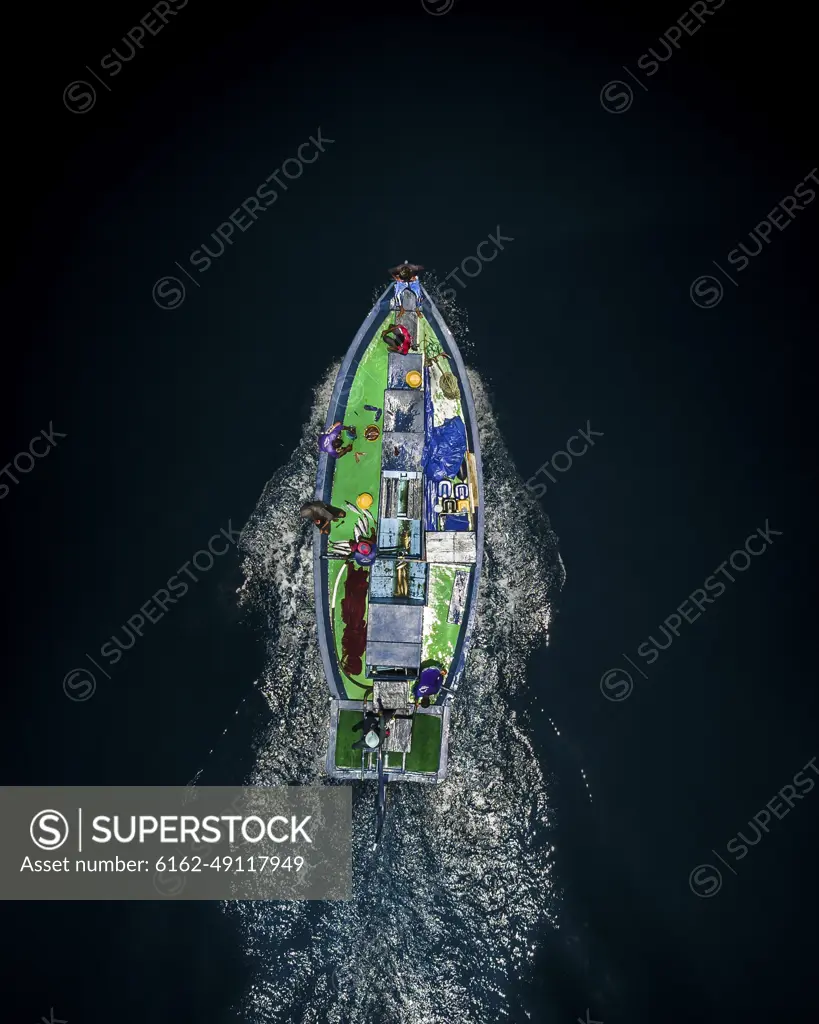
(169, 292)
(48, 830)
(616, 101)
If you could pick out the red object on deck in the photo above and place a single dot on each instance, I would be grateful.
(353, 605)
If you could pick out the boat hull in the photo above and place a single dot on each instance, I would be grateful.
(381, 624)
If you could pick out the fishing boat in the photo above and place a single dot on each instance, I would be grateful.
(396, 578)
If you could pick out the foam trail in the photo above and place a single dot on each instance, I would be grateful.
(444, 912)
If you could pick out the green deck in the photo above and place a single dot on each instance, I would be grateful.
(425, 755)
(339, 566)
(346, 757)
(439, 637)
(351, 478)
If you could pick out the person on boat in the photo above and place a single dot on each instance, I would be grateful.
(398, 339)
(406, 276)
(363, 550)
(332, 442)
(385, 715)
(362, 546)
(371, 732)
(430, 682)
(321, 514)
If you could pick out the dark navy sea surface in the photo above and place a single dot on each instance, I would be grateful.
(627, 833)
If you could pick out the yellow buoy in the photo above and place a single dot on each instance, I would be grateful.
(364, 500)
(413, 378)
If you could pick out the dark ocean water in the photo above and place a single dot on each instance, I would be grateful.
(557, 860)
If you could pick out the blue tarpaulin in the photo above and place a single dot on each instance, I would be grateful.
(457, 521)
(445, 449)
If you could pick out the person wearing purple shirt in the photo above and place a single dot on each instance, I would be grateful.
(331, 443)
(430, 682)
